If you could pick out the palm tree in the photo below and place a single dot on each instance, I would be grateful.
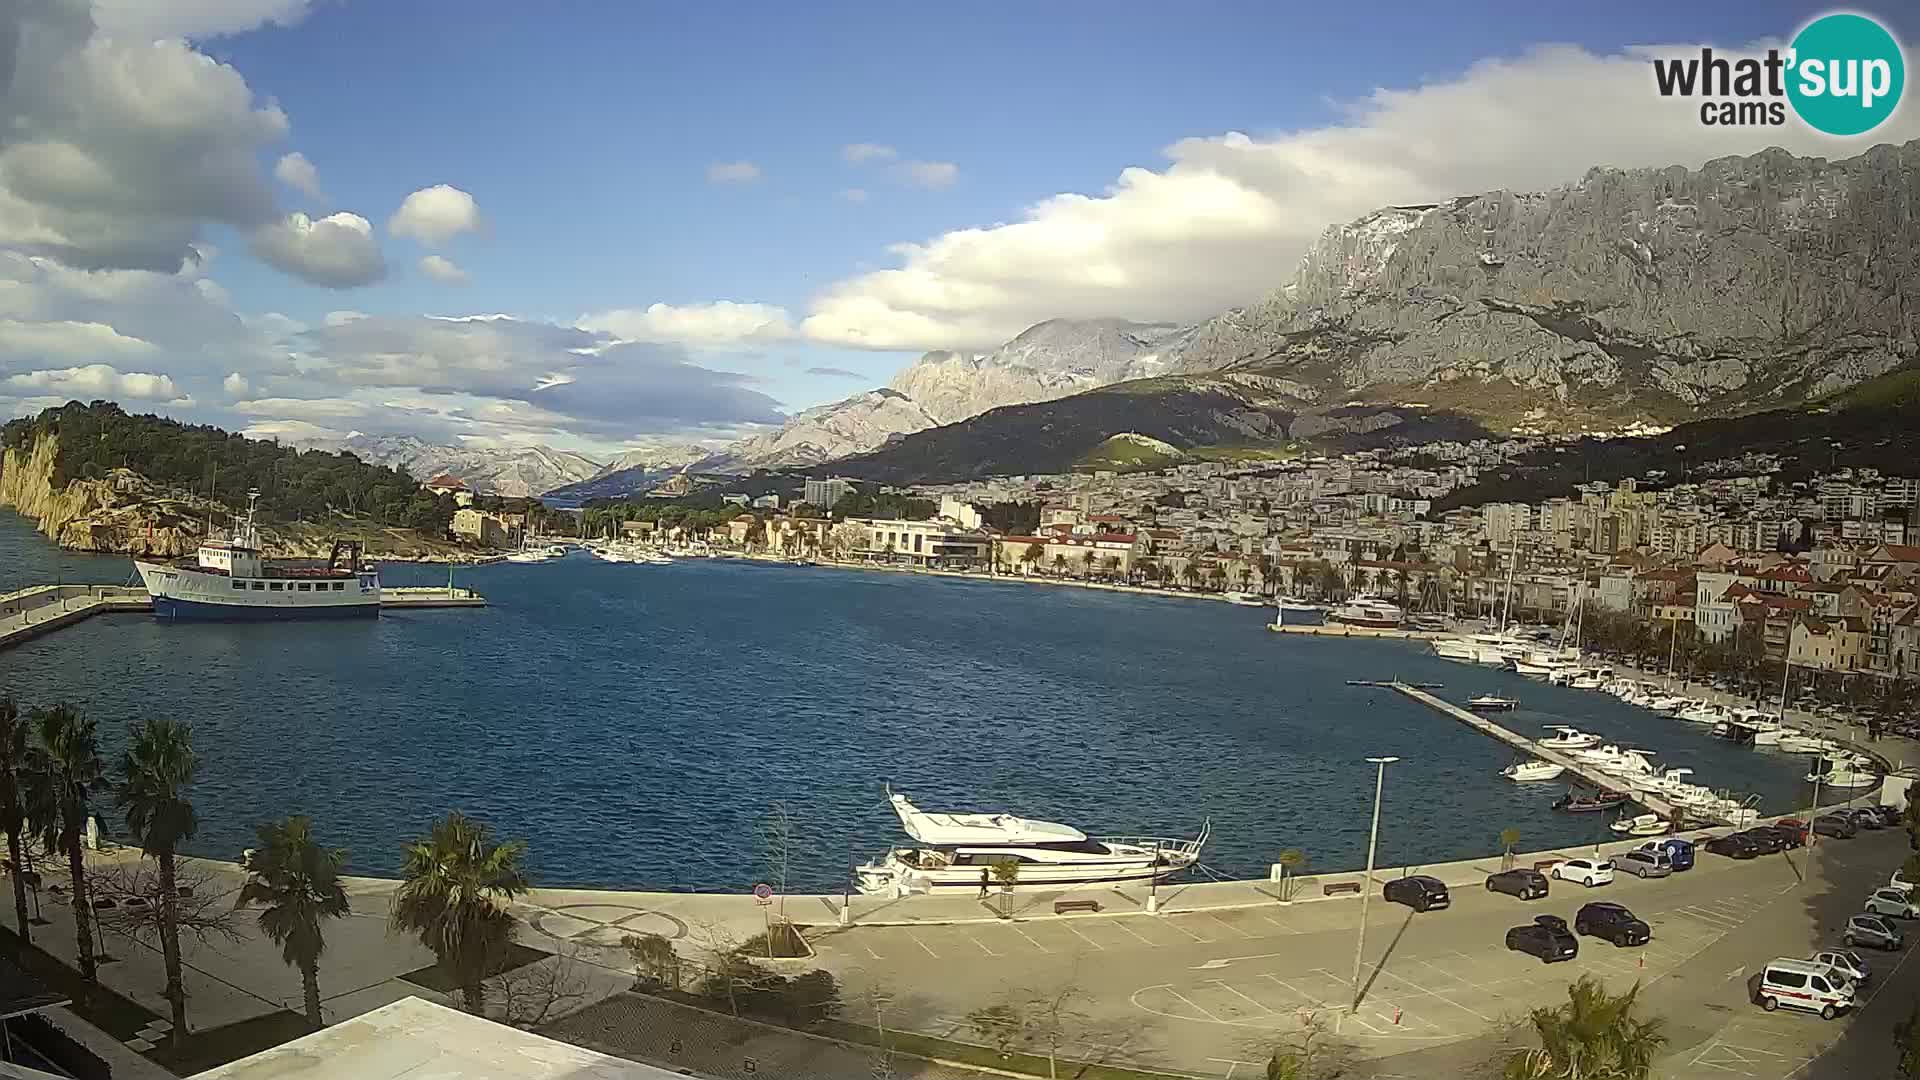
(13, 764)
(297, 883)
(453, 897)
(1059, 561)
(1595, 1034)
(1035, 552)
(158, 768)
(65, 771)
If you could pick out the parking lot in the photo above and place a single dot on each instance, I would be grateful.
(1202, 991)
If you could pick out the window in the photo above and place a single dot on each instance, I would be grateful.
(239, 584)
(1820, 984)
(276, 586)
(339, 585)
(1793, 980)
(304, 587)
(259, 585)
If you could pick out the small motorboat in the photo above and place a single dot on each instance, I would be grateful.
(1245, 599)
(1568, 738)
(1491, 703)
(1586, 802)
(1641, 825)
(1524, 772)
(1844, 771)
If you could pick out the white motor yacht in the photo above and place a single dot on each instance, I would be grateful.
(1699, 712)
(1568, 738)
(1630, 763)
(1844, 771)
(1641, 825)
(1667, 704)
(1368, 611)
(1522, 772)
(959, 851)
(1795, 741)
(1244, 599)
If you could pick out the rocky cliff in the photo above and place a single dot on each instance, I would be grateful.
(124, 513)
(852, 425)
(1050, 360)
(1645, 295)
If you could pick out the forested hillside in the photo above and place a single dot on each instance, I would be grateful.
(294, 485)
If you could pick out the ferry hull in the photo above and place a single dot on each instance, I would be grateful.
(167, 607)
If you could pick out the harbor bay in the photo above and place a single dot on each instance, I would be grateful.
(635, 723)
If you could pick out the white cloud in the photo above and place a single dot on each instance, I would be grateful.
(854, 195)
(435, 215)
(236, 385)
(337, 251)
(442, 269)
(719, 324)
(150, 19)
(862, 152)
(295, 171)
(732, 172)
(930, 174)
(67, 339)
(97, 381)
(1228, 219)
(114, 151)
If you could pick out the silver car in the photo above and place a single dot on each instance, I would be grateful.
(1644, 864)
(1895, 902)
(1846, 962)
(1872, 930)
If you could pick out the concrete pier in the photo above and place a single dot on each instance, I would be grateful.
(432, 596)
(1530, 746)
(28, 613)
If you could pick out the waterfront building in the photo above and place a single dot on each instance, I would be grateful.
(922, 543)
(482, 527)
(824, 493)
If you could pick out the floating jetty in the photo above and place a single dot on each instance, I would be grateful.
(1585, 771)
(28, 613)
(1343, 630)
(1394, 683)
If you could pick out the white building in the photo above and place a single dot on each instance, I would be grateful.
(824, 493)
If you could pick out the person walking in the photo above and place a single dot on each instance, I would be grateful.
(983, 884)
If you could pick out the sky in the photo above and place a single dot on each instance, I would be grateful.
(597, 226)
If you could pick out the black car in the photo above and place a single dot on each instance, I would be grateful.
(1525, 884)
(1734, 846)
(1546, 937)
(1420, 892)
(1785, 838)
(1835, 825)
(1765, 841)
(1612, 922)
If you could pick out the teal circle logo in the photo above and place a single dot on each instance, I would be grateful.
(1847, 74)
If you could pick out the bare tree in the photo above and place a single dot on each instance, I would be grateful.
(728, 970)
(1002, 1025)
(776, 837)
(129, 896)
(875, 998)
(1051, 1020)
(654, 960)
(532, 994)
(1307, 1054)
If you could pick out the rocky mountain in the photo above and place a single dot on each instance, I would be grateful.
(852, 425)
(516, 472)
(1631, 297)
(654, 457)
(1049, 360)
(1650, 294)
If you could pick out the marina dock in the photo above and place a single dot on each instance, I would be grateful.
(1343, 630)
(28, 613)
(1589, 773)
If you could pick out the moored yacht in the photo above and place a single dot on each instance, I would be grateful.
(1245, 599)
(1568, 738)
(1522, 772)
(1369, 611)
(959, 851)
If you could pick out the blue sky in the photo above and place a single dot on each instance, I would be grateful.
(585, 135)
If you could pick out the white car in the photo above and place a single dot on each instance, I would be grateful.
(1898, 882)
(1588, 872)
(1846, 962)
(1895, 902)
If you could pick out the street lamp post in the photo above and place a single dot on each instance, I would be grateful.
(1366, 888)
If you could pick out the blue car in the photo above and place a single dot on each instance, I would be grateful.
(1679, 851)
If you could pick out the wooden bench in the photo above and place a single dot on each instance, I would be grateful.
(1061, 907)
(1339, 888)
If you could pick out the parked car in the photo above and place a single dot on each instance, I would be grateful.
(1874, 930)
(1678, 851)
(1421, 892)
(1643, 864)
(1780, 838)
(1793, 825)
(1765, 841)
(1863, 817)
(1803, 984)
(1898, 881)
(1846, 962)
(1588, 872)
(1612, 922)
(1734, 846)
(1888, 900)
(1525, 884)
(1546, 937)
(1836, 826)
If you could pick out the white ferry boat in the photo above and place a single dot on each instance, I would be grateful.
(960, 851)
(1368, 611)
(228, 579)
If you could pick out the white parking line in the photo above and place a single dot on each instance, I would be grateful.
(1175, 923)
(1241, 996)
(1031, 941)
(1084, 937)
(1226, 924)
(922, 944)
(1283, 926)
(1304, 996)
(1418, 989)
(1149, 942)
(977, 941)
(1462, 978)
(1193, 1006)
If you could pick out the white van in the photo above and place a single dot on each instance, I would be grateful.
(1804, 984)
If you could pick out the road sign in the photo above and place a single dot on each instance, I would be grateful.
(763, 892)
